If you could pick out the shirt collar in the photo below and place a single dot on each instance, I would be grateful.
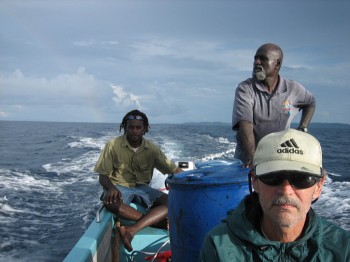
(126, 143)
(280, 88)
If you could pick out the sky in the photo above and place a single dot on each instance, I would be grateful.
(177, 61)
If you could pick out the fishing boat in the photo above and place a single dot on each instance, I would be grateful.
(99, 243)
(218, 184)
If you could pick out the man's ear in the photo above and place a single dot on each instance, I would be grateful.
(278, 63)
(318, 188)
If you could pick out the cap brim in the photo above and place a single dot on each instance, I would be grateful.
(286, 165)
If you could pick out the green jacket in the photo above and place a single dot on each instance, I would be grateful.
(237, 239)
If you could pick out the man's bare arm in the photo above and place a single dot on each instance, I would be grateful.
(306, 116)
(246, 136)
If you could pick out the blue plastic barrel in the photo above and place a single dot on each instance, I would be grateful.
(198, 200)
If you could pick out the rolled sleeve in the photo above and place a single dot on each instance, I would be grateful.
(243, 105)
(104, 165)
(303, 97)
(163, 164)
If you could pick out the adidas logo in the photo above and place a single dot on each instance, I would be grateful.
(290, 146)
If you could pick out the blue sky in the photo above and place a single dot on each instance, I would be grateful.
(178, 61)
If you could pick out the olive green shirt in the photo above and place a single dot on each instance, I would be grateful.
(128, 168)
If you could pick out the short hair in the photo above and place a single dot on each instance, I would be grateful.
(274, 48)
(134, 113)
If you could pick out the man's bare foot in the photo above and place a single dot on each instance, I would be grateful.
(126, 238)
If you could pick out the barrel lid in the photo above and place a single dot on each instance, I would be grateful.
(212, 172)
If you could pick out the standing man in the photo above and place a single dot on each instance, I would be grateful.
(125, 169)
(276, 221)
(267, 103)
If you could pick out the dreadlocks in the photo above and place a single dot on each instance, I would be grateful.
(135, 113)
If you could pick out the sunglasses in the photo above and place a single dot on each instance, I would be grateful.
(299, 181)
(131, 117)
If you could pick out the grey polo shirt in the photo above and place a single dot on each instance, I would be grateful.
(268, 112)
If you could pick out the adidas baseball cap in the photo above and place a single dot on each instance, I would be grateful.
(289, 150)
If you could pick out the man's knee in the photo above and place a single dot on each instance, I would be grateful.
(162, 200)
(113, 207)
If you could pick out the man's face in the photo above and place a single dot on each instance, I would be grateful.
(265, 62)
(135, 129)
(285, 205)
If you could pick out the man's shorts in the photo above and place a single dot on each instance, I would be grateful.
(140, 194)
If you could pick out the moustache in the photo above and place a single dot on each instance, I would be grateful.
(283, 200)
(258, 67)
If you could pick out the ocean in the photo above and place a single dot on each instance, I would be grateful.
(49, 194)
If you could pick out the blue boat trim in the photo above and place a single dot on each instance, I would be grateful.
(96, 244)
(95, 236)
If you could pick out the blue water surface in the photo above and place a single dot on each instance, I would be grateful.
(49, 193)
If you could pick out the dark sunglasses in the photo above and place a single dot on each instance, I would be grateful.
(131, 117)
(299, 181)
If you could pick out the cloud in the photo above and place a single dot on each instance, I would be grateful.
(84, 43)
(215, 53)
(95, 43)
(22, 94)
(122, 98)
(90, 66)
(70, 88)
(3, 114)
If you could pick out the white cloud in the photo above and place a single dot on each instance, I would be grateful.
(123, 98)
(68, 88)
(3, 114)
(94, 43)
(212, 52)
(22, 94)
(143, 56)
(84, 43)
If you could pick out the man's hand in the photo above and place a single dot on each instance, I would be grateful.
(178, 170)
(112, 196)
(247, 164)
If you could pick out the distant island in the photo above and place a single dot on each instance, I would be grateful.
(324, 125)
(204, 123)
(294, 125)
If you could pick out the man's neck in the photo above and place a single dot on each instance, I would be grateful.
(275, 232)
(271, 84)
(134, 144)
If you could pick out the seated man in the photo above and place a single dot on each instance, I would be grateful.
(125, 169)
(276, 221)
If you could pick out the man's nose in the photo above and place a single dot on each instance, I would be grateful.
(286, 186)
(257, 61)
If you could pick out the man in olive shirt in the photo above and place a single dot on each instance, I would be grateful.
(125, 169)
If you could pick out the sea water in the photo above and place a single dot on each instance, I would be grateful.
(49, 194)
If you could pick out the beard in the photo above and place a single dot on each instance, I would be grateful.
(259, 73)
(284, 219)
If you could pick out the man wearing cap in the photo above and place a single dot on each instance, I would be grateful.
(275, 222)
(125, 169)
(267, 103)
